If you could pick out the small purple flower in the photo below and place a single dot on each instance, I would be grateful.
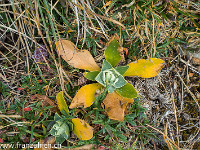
(39, 53)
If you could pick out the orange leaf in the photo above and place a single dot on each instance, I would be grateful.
(79, 59)
(82, 129)
(115, 106)
(145, 68)
(85, 96)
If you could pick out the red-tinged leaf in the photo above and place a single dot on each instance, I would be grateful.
(27, 109)
(1, 140)
(19, 88)
(39, 81)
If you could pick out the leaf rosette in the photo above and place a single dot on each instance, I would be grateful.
(110, 77)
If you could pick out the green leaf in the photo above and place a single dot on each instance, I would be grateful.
(62, 105)
(60, 139)
(111, 89)
(56, 117)
(121, 82)
(122, 69)
(70, 125)
(106, 65)
(112, 54)
(60, 130)
(99, 78)
(91, 75)
(123, 138)
(127, 91)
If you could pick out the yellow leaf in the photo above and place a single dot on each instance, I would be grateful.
(81, 59)
(61, 102)
(115, 106)
(82, 129)
(85, 96)
(145, 68)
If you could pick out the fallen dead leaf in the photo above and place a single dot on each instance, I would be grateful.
(46, 143)
(45, 101)
(115, 36)
(191, 74)
(81, 59)
(115, 106)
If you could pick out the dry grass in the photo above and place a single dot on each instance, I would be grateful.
(160, 28)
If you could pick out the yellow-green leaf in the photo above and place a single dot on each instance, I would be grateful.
(127, 91)
(82, 129)
(91, 75)
(62, 105)
(81, 59)
(85, 95)
(145, 68)
(112, 54)
(115, 105)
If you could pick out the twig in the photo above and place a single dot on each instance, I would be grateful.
(193, 96)
(164, 135)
